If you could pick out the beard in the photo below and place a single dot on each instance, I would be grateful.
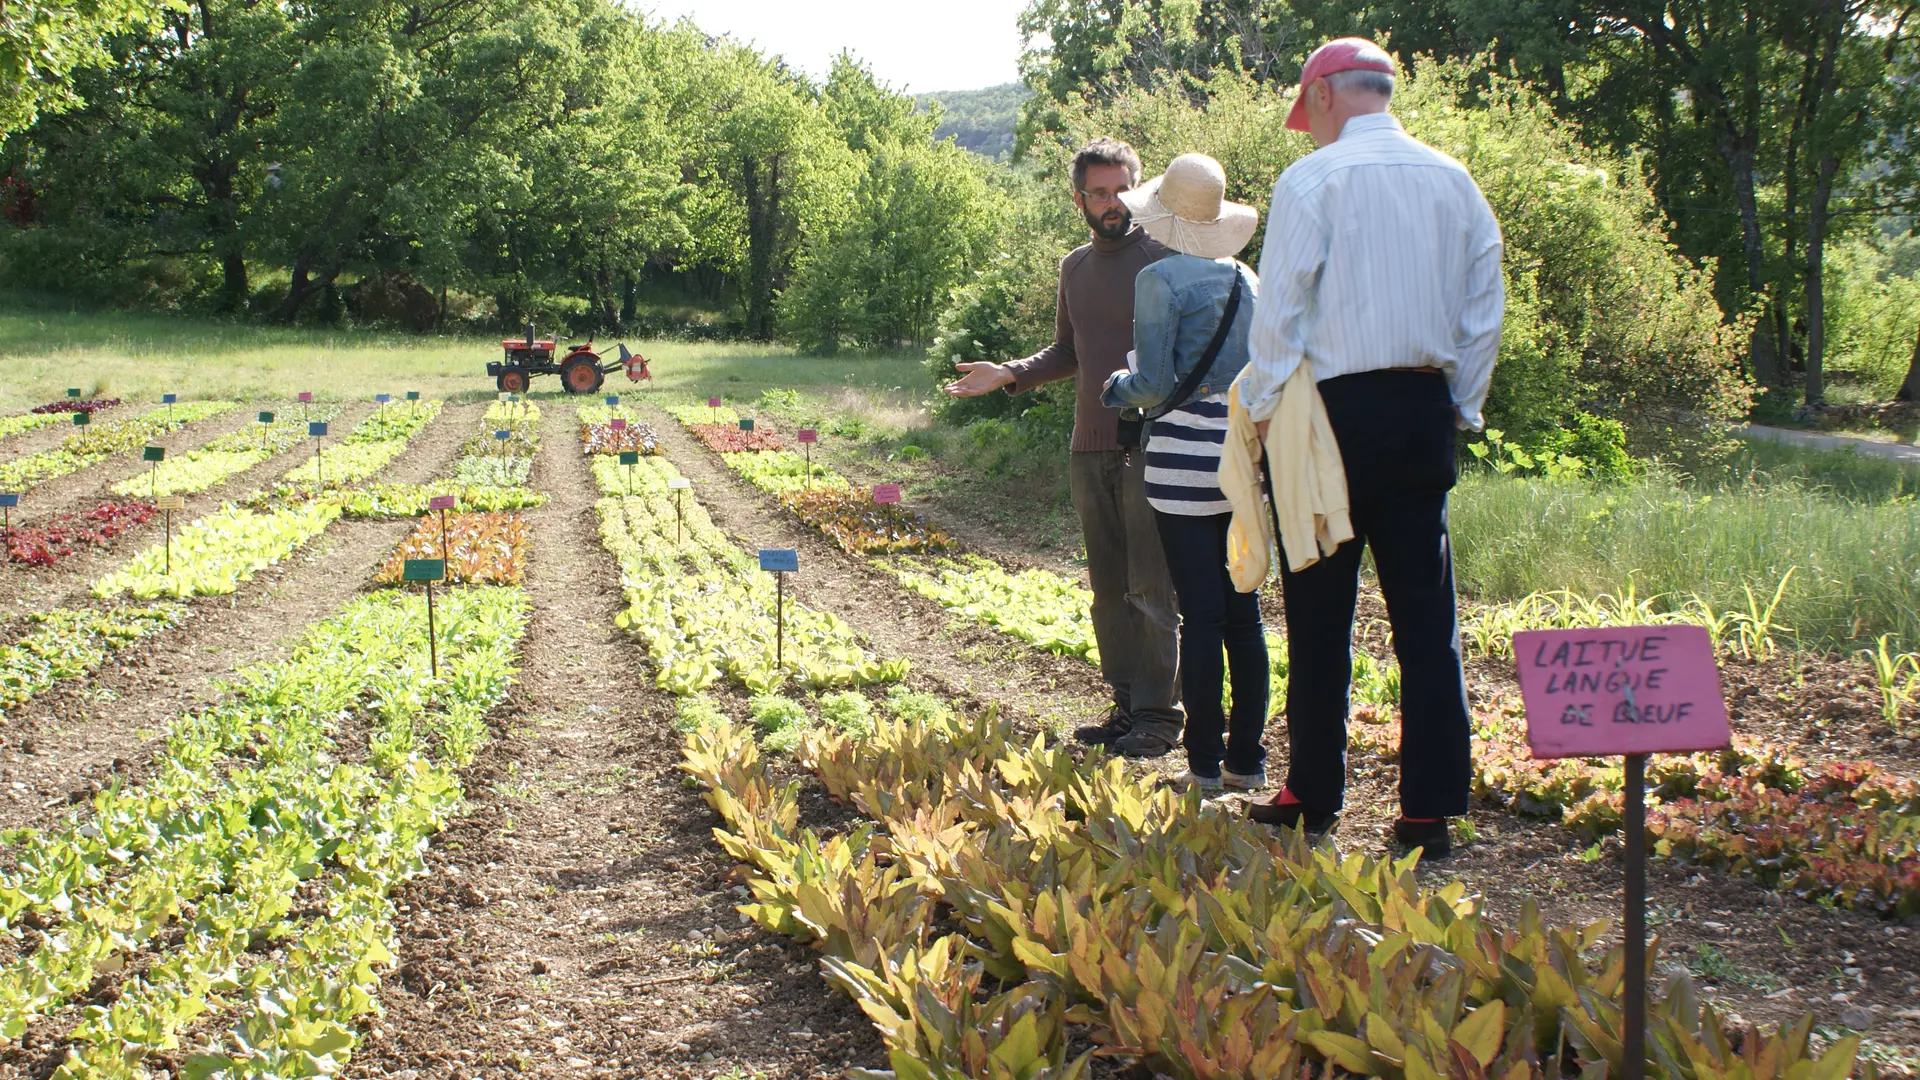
(1112, 225)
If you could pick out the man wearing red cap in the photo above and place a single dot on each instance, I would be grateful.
(1381, 273)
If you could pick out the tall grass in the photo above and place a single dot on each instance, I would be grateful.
(1855, 561)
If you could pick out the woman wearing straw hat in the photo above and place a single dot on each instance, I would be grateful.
(1191, 314)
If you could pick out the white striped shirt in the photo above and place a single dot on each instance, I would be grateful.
(1183, 458)
(1380, 253)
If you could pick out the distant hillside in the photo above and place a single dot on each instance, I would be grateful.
(981, 120)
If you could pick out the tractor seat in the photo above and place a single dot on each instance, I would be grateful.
(521, 343)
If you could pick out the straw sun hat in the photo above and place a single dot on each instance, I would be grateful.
(1186, 209)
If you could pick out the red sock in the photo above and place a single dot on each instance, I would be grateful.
(1287, 798)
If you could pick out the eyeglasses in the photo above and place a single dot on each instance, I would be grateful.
(1101, 195)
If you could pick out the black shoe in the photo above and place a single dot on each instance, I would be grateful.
(1141, 744)
(1116, 724)
(1291, 816)
(1431, 837)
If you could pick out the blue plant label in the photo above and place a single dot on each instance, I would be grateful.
(612, 400)
(317, 429)
(779, 560)
(382, 398)
(168, 399)
(503, 435)
(9, 499)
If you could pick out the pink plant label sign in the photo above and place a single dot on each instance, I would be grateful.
(808, 435)
(440, 502)
(618, 424)
(306, 396)
(886, 493)
(713, 403)
(1621, 690)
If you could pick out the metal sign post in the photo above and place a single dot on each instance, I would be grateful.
(266, 421)
(8, 500)
(808, 436)
(81, 420)
(380, 402)
(427, 571)
(167, 506)
(73, 392)
(746, 425)
(1631, 691)
(629, 458)
(154, 455)
(318, 429)
(168, 400)
(501, 436)
(679, 485)
(612, 400)
(779, 562)
(713, 409)
(305, 399)
(413, 400)
(443, 503)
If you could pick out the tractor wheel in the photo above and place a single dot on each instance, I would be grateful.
(511, 381)
(580, 375)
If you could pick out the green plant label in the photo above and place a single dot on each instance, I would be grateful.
(73, 391)
(629, 457)
(266, 418)
(413, 395)
(746, 423)
(81, 419)
(423, 570)
(154, 453)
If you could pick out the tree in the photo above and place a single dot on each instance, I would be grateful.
(44, 42)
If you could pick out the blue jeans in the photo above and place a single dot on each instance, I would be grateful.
(1213, 615)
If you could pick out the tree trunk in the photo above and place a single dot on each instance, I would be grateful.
(299, 287)
(629, 300)
(1818, 210)
(1910, 386)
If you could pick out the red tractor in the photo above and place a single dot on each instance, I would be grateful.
(581, 370)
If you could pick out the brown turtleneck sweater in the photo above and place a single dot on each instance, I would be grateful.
(1092, 331)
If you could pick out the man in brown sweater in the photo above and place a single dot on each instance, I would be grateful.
(1135, 619)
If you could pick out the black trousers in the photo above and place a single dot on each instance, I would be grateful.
(1396, 436)
(1213, 615)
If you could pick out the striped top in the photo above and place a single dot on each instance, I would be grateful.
(1380, 253)
(1183, 459)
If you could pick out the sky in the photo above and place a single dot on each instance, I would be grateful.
(911, 47)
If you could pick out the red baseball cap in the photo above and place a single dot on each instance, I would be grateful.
(1340, 54)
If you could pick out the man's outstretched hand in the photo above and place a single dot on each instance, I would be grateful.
(979, 377)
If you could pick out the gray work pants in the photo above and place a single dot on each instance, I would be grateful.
(1136, 620)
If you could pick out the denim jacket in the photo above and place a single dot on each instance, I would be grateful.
(1177, 305)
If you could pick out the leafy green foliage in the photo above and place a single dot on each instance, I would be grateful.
(14, 425)
(228, 455)
(1241, 954)
(779, 472)
(702, 606)
(97, 443)
(68, 644)
(211, 556)
(978, 120)
(1044, 610)
(411, 500)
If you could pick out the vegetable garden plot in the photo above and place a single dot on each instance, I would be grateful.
(782, 471)
(480, 549)
(228, 455)
(67, 644)
(411, 500)
(599, 435)
(89, 444)
(861, 526)
(214, 554)
(33, 421)
(259, 828)
(489, 461)
(1188, 939)
(52, 539)
(72, 405)
(1040, 608)
(374, 443)
(702, 606)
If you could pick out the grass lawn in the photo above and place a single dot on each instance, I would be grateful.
(135, 356)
